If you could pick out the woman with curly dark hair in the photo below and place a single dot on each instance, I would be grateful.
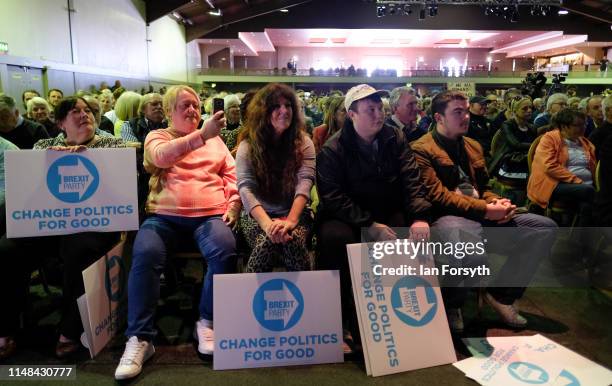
(275, 165)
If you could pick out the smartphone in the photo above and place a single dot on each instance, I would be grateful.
(217, 104)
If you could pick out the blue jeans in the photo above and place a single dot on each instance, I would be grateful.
(155, 241)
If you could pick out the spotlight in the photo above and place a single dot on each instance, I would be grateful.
(422, 14)
(381, 11)
(407, 9)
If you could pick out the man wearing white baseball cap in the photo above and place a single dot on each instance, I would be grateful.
(367, 178)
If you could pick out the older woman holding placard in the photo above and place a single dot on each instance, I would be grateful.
(75, 251)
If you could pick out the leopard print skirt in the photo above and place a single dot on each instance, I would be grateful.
(294, 254)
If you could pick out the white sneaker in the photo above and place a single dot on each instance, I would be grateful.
(455, 319)
(206, 337)
(507, 312)
(84, 341)
(136, 353)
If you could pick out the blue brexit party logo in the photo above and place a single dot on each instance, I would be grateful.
(278, 305)
(528, 373)
(569, 377)
(72, 178)
(414, 301)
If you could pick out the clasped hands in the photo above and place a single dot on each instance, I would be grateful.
(419, 230)
(500, 210)
(279, 230)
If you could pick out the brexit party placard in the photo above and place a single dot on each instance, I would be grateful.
(103, 306)
(277, 319)
(401, 317)
(53, 193)
(529, 360)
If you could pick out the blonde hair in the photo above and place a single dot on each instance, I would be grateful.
(127, 104)
(37, 101)
(171, 96)
(147, 98)
(107, 93)
(208, 105)
(516, 104)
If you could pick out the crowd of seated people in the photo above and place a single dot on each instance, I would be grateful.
(248, 172)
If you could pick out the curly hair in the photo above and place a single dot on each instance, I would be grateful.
(274, 161)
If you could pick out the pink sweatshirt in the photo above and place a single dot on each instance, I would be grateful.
(189, 178)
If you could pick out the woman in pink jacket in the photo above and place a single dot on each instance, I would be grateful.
(192, 194)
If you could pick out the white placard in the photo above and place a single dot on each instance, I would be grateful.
(402, 319)
(468, 88)
(53, 193)
(529, 360)
(103, 306)
(277, 319)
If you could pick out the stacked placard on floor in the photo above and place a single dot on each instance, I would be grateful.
(534, 360)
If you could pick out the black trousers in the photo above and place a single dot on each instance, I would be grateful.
(18, 257)
(582, 195)
(332, 238)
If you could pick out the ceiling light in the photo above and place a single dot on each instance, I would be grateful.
(284, 10)
(563, 12)
(216, 12)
